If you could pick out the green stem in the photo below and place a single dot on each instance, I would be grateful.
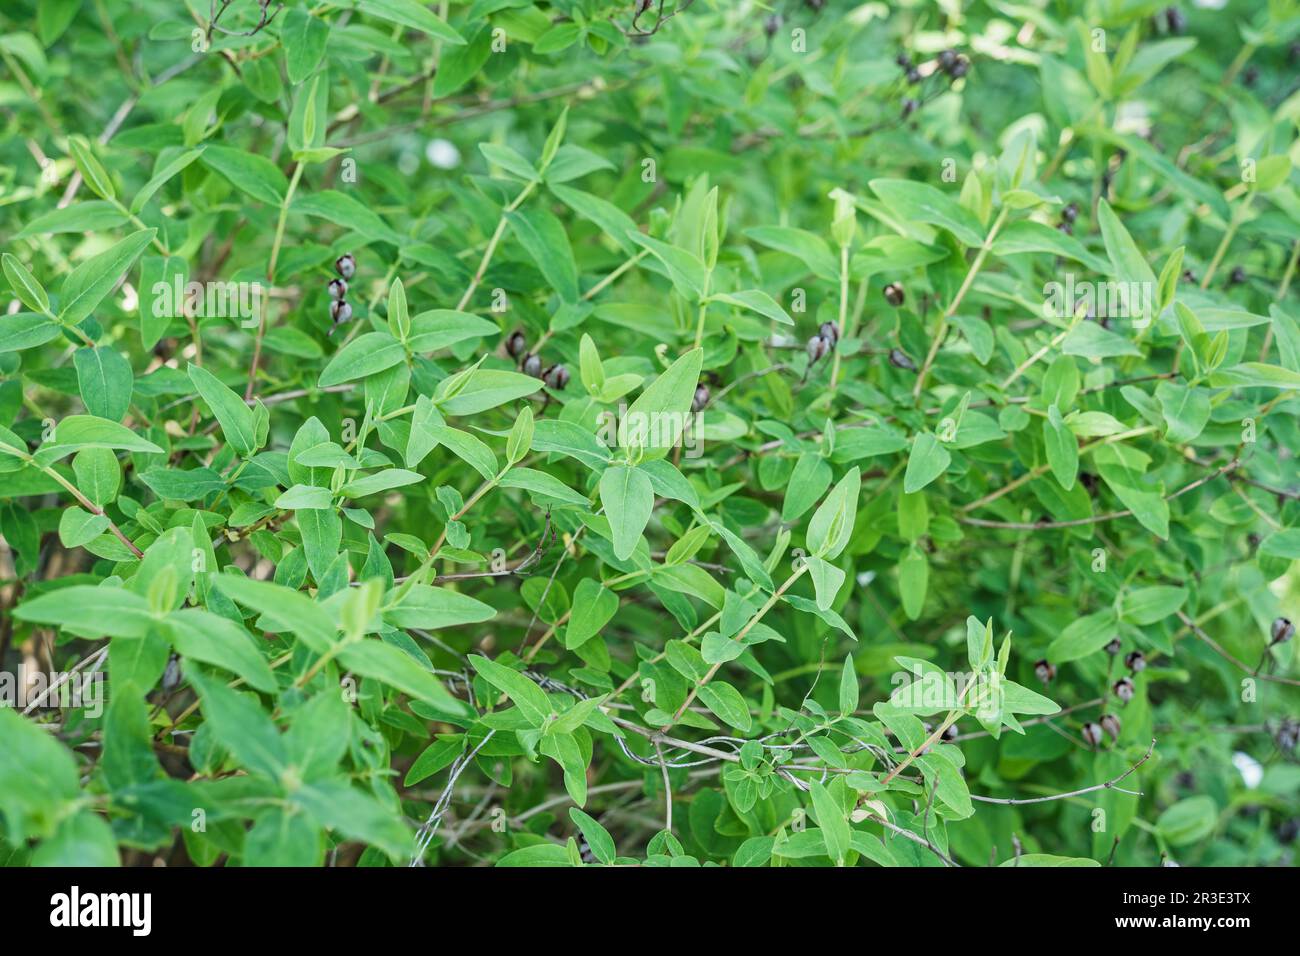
(492, 245)
(966, 284)
(284, 215)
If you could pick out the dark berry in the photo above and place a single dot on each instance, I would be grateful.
(557, 377)
(910, 106)
(345, 265)
(946, 60)
(913, 76)
(338, 288)
(1091, 734)
(1281, 631)
(1237, 277)
(817, 347)
(531, 365)
(516, 344)
(898, 358)
(1135, 661)
(1124, 689)
(1113, 647)
(1070, 212)
(830, 332)
(1045, 671)
(894, 294)
(959, 68)
(700, 399)
(1110, 724)
(904, 61)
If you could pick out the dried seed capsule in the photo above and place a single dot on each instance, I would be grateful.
(1110, 724)
(1135, 661)
(1124, 689)
(1282, 631)
(701, 398)
(830, 332)
(946, 59)
(1070, 212)
(345, 265)
(1045, 671)
(1287, 735)
(894, 294)
(531, 365)
(910, 106)
(557, 376)
(1091, 734)
(340, 311)
(338, 288)
(172, 675)
(1113, 647)
(898, 358)
(817, 347)
(516, 344)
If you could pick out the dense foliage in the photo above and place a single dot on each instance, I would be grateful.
(545, 433)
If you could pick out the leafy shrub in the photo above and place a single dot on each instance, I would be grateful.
(494, 432)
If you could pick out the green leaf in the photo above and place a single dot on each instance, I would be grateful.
(484, 389)
(282, 609)
(913, 581)
(234, 416)
(303, 37)
(727, 704)
(848, 687)
(367, 354)
(1127, 265)
(628, 499)
(29, 291)
(831, 527)
(531, 700)
(240, 725)
(834, 826)
(1083, 636)
(88, 431)
(1062, 448)
(88, 284)
(755, 300)
(543, 237)
(928, 460)
(593, 607)
(394, 667)
(597, 837)
(105, 380)
(205, 637)
(1149, 605)
(409, 13)
(654, 423)
(920, 202)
